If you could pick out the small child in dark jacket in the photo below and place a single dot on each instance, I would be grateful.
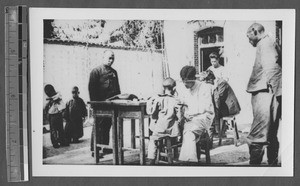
(165, 116)
(75, 114)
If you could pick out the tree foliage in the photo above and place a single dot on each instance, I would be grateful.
(139, 33)
(146, 34)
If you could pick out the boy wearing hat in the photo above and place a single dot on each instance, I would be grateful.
(164, 116)
(54, 109)
(74, 114)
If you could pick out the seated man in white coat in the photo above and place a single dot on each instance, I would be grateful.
(199, 112)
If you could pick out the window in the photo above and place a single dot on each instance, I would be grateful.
(209, 40)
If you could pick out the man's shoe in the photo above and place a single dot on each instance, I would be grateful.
(152, 162)
(56, 146)
(64, 144)
(76, 140)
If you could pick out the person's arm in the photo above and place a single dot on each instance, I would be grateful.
(222, 91)
(66, 112)
(118, 91)
(93, 81)
(47, 106)
(206, 107)
(84, 110)
(269, 58)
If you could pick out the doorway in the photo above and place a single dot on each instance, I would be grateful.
(204, 56)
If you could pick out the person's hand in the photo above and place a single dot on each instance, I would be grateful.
(188, 117)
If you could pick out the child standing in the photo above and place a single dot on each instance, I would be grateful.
(164, 116)
(75, 114)
(54, 109)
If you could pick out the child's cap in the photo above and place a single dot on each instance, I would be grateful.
(49, 90)
(75, 89)
(169, 82)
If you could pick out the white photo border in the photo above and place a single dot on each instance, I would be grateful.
(36, 17)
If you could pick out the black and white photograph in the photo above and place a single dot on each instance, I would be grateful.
(162, 92)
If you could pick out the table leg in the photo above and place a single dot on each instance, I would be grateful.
(133, 134)
(221, 131)
(142, 138)
(114, 139)
(96, 151)
(169, 150)
(120, 140)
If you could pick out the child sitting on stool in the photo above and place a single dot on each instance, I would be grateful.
(164, 116)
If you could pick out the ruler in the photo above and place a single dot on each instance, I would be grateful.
(16, 93)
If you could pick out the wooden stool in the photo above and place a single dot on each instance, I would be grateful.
(203, 147)
(167, 149)
(230, 122)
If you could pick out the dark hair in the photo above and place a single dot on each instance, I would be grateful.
(49, 90)
(210, 75)
(214, 55)
(188, 72)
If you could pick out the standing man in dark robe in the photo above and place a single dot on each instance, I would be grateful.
(265, 87)
(75, 113)
(103, 84)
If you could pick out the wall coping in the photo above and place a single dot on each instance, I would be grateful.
(96, 45)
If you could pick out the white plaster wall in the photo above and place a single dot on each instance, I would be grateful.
(178, 46)
(65, 66)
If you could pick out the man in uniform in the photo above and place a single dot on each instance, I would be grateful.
(265, 87)
(103, 84)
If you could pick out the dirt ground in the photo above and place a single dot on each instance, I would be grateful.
(77, 154)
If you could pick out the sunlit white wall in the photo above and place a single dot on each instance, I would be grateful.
(65, 66)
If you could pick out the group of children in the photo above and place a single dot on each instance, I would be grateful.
(74, 113)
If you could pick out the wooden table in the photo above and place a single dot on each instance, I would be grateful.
(119, 110)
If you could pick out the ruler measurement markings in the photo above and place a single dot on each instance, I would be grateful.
(20, 82)
(16, 103)
(20, 14)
